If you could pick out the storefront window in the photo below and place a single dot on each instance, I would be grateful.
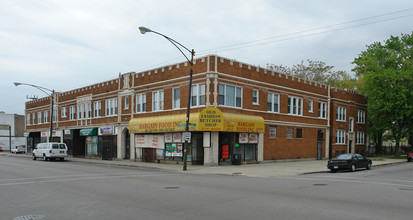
(92, 145)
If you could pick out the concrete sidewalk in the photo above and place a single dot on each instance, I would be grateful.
(268, 169)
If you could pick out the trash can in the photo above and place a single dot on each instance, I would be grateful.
(236, 159)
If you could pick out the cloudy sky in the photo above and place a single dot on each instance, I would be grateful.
(64, 45)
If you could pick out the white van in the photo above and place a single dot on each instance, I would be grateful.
(50, 151)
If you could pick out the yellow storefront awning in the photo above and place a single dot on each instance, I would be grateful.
(162, 124)
(209, 119)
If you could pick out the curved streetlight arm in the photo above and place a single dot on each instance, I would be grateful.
(144, 30)
(51, 104)
(37, 87)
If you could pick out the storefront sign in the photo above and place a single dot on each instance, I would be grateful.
(106, 131)
(211, 119)
(150, 141)
(243, 138)
(253, 138)
(168, 138)
(177, 137)
(43, 134)
(89, 132)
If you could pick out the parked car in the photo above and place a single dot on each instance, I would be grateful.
(1, 149)
(409, 156)
(50, 151)
(18, 149)
(349, 162)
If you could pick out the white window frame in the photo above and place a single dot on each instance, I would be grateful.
(341, 113)
(97, 109)
(295, 105)
(140, 104)
(54, 115)
(34, 118)
(255, 97)
(157, 101)
(126, 103)
(310, 106)
(361, 117)
(72, 112)
(360, 137)
(64, 112)
(351, 124)
(28, 119)
(198, 94)
(340, 137)
(111, 106)
(322, 113)
(46, 116)
(39, 118)
(272, 99)
(176, 98)
(225, 100)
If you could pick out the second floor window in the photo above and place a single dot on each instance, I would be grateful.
(295, 106)
(340, 113)
(230, 95)
(97, 106)
(273, 102)
(111, 107)
(255, 99)
(46, 116)
(126, 102)
(198, 95)
(64, 112)
(39, 118)
(322, 106)
(72, 112)
(140, 103)
(176, 98)
(361, 117)
(157, 100)
(27, 119)
(310, 105)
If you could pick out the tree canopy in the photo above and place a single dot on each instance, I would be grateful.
(319, 72)
(385, 72)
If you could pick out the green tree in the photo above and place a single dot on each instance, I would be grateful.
(386, 78)
(319, 72)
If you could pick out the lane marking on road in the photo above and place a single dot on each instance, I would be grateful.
(83, 178)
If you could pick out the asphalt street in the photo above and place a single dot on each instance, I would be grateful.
(76, 190)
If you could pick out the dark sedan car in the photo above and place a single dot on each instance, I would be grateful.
(349, 162)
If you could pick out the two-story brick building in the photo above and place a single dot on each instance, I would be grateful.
(236, 109)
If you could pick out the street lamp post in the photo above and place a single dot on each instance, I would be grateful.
(144, 30)
(51, 105)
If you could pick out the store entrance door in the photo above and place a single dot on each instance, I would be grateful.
(148, 154)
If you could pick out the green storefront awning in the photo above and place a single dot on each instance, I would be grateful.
(89, 132)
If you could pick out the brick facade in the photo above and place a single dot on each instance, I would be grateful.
(296, 118)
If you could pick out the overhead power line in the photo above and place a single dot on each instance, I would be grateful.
(309, 32)
(300, 34)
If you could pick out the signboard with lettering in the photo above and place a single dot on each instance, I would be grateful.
(253, 138)
(168, 138)
(211, 119)
(150, 141)
(243, 138)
